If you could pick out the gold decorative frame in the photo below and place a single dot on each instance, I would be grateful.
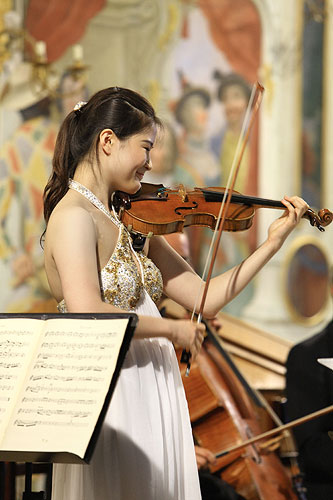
(5, 6)
(291, 253)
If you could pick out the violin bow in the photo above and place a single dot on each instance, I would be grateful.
(251, 112)
(276, 430)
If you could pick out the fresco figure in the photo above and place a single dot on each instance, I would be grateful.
(196, 165)
(25, 165)
(234, 94)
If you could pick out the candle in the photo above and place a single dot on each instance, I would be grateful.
(77, 53)
(40, 49)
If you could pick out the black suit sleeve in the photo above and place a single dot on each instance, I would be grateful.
(309, 388)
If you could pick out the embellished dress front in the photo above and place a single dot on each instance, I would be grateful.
(145, 450)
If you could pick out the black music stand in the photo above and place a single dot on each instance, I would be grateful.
(28, 494)
(18, 456)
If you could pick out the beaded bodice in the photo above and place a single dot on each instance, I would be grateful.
(121, 281)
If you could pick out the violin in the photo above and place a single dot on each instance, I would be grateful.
(157, 210)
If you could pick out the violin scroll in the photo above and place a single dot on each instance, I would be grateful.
(320, 220)
(325, 216)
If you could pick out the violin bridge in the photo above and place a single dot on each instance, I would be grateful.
(182, 192)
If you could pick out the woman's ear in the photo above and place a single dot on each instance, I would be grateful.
(106, 138)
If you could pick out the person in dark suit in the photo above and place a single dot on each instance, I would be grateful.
(309, 387)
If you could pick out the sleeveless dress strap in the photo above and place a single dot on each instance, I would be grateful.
(113, 216)
(94, 200)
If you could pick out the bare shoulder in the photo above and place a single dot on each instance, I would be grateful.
(69, 220)
(69, 213)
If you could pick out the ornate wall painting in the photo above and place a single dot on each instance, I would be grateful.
(312, 105)
(308, 259)
(26, 151)
(215, 64)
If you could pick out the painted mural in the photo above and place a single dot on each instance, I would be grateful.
(313, 40)
(199, 75)
(213, 75)
(213, 62)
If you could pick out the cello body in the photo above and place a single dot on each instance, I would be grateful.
(222, 414)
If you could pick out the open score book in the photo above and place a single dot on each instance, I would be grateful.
(57, 376)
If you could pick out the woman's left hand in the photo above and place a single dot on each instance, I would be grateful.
(283, 226)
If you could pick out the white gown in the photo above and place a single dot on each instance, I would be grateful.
(145, 450)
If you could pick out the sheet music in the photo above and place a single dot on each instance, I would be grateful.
(17, 339)
(66, 386)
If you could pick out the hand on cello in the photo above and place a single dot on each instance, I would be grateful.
(212, 487)
(204, 457)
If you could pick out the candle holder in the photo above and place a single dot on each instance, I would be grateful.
(44, 78)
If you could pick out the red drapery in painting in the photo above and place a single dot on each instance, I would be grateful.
(60, 23)
(235, 29)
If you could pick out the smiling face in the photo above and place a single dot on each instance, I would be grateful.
(129, 160)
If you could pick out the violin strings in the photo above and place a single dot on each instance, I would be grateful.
(229, 181)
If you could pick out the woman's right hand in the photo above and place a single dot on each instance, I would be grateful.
(204, 457)
(188, 334)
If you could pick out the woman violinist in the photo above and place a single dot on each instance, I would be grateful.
(145, 449)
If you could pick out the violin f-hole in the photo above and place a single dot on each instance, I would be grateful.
(179, 209)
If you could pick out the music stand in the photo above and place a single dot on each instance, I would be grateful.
(28, 494)
(29, 457)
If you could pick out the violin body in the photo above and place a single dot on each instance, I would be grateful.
(157, 210)
(165, 211)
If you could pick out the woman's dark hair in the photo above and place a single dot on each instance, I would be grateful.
(123, 111)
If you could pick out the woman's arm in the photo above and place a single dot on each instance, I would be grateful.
(182, 284)
(71, 242)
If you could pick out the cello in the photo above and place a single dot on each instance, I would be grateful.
(223, 413)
